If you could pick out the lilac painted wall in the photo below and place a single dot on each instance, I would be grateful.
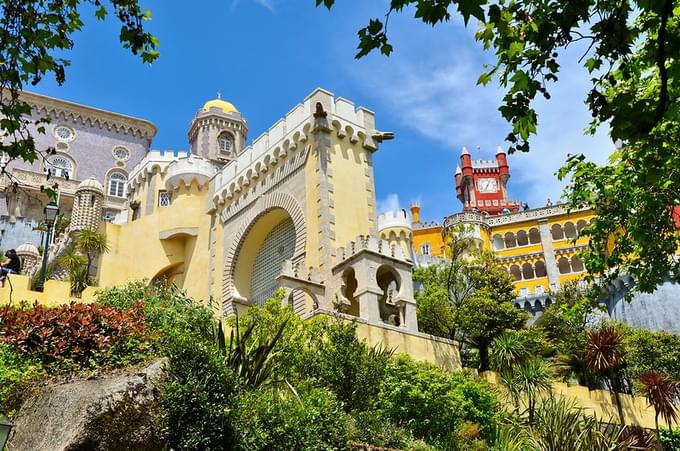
(91, 149)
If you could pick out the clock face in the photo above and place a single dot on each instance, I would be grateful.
(487, 185)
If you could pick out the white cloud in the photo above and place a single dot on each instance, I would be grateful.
(267, 4)
(429, 85)
(389, 203)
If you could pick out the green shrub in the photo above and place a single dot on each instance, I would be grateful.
(434, 403)
(670, 439)
(199, 398)
(16, 375)
(646, 351)
(167, 310)
(275, 420)
(339, 360)
(373, 429)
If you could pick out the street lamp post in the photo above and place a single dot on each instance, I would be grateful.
(51, 211)
(5, 429)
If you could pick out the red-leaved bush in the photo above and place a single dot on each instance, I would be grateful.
(77, 332)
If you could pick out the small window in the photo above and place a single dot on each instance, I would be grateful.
(63, 133)
(163, 198)
(539, 289)
(425, 249)
(117, 183)
(524, 292)
(135, 210)
(225, 143)
(120, 153)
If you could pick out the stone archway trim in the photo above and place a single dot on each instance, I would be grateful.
(263, 205)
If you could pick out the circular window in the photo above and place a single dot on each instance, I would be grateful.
(121, 153)
(64, 133)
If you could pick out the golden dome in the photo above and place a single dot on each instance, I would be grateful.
(226, 107)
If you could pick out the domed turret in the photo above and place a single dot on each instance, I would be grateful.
(395, 227)
(87, 205)
(226, 107)
(29, 256)
(218, 132)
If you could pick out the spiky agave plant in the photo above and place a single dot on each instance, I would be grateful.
(605, 356)
(661, 393)
(252, 361)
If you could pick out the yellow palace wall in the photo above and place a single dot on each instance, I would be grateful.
(431, 236)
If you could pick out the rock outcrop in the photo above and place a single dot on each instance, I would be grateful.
(118, 412)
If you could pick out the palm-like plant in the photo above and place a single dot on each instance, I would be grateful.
(530, 379)
(605, 356)
(661, 392)
(75, 266)
(507, 351)
(91, 243)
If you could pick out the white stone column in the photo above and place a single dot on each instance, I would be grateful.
(551, 268)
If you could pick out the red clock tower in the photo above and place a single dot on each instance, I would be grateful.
(481, 184)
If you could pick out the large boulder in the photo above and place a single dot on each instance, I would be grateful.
(118, 412)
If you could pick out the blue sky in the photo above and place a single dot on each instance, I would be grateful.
(265, 56)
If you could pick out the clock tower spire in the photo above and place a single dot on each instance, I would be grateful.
(481, 184)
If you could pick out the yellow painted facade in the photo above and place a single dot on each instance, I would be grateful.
(230, 224)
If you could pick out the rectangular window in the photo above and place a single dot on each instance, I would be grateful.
(524, 292)
(425, 249)
(539, 289)
(163, 198)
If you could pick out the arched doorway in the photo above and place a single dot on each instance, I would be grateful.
(269, 242)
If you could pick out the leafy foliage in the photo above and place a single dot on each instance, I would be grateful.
(34, 36)
(479, 294)
(433, 403)
(200, 398)
(279, 420)
(84, 334)
(648, 351)
(339, 360)
(17, 372)
(91, 243)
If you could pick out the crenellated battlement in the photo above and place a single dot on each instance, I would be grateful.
(288, 135)
(370, 244)
(391, 219)
(154, 161)
(187, 169)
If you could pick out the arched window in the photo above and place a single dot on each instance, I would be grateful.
(516, 272)
(510, 240)
(563, 265)
(539, 269)
(577, 264)
(59, 166)
(569, 230)
(527, 271)
(225, 143)
(522, 239)
(534, 236)
(117, 182)
(557, 232)
(498, 243)
(582, 224)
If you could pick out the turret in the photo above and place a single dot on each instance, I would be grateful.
(466, 162)
(415, 212)
(218, 132)
(459, 183)
(502, 165)
(395, 227)
(87, 205)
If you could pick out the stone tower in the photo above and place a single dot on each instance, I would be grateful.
(87, 205)
(395, 227)
(218, 132)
